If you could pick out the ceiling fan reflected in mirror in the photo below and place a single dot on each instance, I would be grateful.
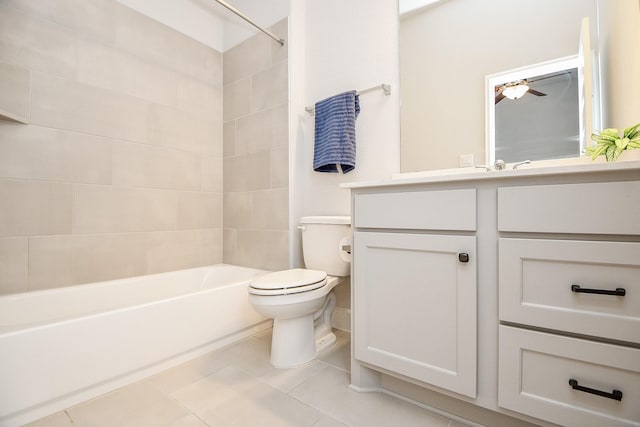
(517, 89)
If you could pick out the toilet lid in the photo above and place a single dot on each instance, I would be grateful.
(289, 281)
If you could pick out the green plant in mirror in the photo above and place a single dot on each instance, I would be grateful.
(611, 144)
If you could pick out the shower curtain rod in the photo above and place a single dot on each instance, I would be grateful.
(246, 18)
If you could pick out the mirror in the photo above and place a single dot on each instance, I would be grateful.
(446, 51)
(557, 93)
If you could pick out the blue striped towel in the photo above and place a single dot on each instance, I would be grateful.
(335, 133)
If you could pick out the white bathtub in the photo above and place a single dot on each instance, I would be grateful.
(62, 346)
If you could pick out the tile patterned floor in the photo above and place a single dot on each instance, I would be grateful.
(236, 386)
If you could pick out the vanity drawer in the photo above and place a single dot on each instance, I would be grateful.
(594, 208)
(428, 210)
(536, 279)
(536, 368)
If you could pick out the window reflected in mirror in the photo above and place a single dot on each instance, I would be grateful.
(536, 117)
(539, 112)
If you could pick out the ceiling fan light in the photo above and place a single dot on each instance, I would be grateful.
(515, 91)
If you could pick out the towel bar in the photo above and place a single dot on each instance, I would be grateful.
(385, 87)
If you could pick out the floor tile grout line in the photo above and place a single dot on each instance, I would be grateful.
(327, 366)
(432, 409)
(66, 412)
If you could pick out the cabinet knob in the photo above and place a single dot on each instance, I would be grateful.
(463, 257)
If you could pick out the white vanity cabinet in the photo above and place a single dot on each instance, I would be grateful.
(542, 324)
(415, 286)
(582, 288)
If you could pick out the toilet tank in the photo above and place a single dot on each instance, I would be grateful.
(322, 241)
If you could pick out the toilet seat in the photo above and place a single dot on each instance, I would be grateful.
(294, 281)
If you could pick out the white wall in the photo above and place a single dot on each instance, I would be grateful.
(619, 31)
(446, 52)
(350, 45)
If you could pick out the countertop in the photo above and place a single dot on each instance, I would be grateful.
(535, 169)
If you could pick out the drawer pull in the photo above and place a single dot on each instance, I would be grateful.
(615, 394)
(618, 291)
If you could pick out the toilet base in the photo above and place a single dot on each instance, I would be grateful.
(297, 341)
(325, 342)
(293, 342)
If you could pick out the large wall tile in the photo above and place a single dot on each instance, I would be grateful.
(199, 210)
(270, 87)
(229, 139)
(109, 68)
(15, 92)
(175, 250)
(56, 261)
(34, 152)
(65, 104)
(247, 173)
(199, 97)
(35, 43)
(256, 155)
(255, 131)
(270, 209)
(149, 39)
(237, 99)
(125, 145)
(262, 130)
(211, 66)
(93, 19)
(263, 249)
(280, 29)
(35, 207)
(104, 209)
(237, 210)
(13, 264)
(280, 117)
(280, 167)
(175, 128)
(142, 165)
(247, 58)
(212, 173)
(229, 246)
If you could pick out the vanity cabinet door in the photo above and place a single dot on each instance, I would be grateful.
(415, 306)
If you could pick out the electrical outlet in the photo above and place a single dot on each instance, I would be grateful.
(465, 160)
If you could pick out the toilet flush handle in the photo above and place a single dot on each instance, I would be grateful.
(302, 227)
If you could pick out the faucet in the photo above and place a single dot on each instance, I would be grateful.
(500, 165)
(524, 162)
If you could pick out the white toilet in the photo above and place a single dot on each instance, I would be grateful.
(301, 301)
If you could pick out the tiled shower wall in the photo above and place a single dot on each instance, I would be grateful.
(256, 177)
(119, 169)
